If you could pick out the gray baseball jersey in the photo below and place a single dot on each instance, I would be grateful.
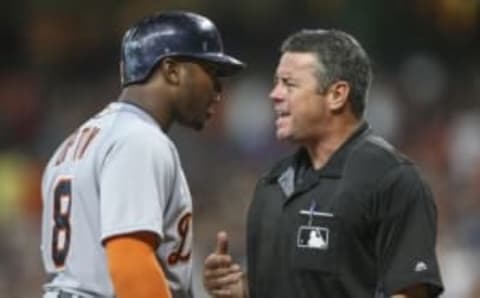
(117, 174)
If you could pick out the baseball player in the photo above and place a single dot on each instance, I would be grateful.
(117, 210)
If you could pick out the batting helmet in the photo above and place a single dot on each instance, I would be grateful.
(169, 34)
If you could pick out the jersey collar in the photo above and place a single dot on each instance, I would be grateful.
(128, 105)
(334, 166)
(301, 164)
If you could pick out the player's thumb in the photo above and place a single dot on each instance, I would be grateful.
(222, 243)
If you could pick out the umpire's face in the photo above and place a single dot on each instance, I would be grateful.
(200, 92)
(301, 111)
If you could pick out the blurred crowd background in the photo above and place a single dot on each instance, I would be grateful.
(59, 64)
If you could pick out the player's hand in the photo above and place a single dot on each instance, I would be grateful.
(221, 277)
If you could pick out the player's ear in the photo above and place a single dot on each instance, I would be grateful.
(337, 95)
(170, 70)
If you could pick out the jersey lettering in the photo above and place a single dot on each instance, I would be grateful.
(184, 250)
(62, 203)
(87, 134)
(65, 148)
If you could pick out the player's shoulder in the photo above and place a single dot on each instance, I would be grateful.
(138, 131)
(133, 125)
(142, 138)
(131, 129)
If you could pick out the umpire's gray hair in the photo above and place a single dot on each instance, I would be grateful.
(340, 57)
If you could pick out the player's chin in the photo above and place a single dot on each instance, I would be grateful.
(196, 123)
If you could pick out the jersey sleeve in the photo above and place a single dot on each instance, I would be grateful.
(135, 185)
(406, 236)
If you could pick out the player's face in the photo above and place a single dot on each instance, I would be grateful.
(299, 108)
(201, 93)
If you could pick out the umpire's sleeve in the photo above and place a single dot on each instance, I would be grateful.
(405, 242)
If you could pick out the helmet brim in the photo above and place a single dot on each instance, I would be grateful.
(226, 65)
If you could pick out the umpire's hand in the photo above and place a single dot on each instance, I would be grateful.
(221, 277)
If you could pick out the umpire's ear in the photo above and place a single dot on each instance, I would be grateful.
(337, 95)
(170, 70)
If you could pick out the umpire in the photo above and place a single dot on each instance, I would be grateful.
(346, 215)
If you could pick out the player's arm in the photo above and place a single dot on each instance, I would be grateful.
(418, 291)
(133, 266)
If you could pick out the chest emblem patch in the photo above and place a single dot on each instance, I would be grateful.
(313, 237)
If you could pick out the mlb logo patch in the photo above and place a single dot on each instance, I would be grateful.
(312, 237)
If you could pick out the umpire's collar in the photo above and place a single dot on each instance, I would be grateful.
(301, 165)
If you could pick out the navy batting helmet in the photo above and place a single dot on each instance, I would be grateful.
(167, 34)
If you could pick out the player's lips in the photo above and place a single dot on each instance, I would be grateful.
(212, 104)
(210, 113)
(211, 110)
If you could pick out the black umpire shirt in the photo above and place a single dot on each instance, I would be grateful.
(364, 225)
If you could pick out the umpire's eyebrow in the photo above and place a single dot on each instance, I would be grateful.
(284, 79)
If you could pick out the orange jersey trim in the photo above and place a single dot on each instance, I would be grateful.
(133, 266)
